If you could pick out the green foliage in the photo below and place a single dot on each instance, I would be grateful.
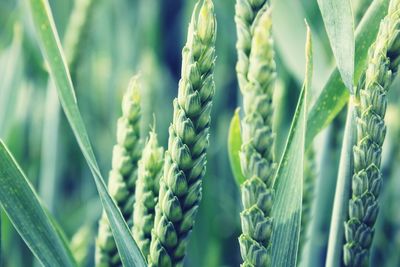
(288, 182)
(104, 43)
(184, 167)
(338, 19)
(23, 207)
(234, 145)
(52, 51)
(334, 95)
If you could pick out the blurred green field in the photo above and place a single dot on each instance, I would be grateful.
(121, 38)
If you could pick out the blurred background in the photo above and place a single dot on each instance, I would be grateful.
(106, 42)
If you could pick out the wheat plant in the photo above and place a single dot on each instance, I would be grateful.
(123, 175)
(160, 208)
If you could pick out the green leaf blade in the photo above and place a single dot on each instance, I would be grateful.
(288, 184)
(334, 95)
(234, 145)
(23, 207)
(338, 20)
(52, 51)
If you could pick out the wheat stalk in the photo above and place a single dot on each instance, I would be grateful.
(147, 187)
(383, 61)
(185, 160)
(256, 75)
(308, 197)
(123, 175)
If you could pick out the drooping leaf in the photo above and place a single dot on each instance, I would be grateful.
(342, 193)
(334, 95)
(30, 219)
(338, 20)
(50, 44)
(234, 145)
(288, 184)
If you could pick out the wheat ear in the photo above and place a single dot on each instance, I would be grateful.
(147, 188)
(123, 175)
(256, 74)
(383, 61)
(185, 160)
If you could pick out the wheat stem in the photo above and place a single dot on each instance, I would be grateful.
(308, 197)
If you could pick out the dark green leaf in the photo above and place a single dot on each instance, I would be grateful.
(288, 185)
(22, 206)
(52, 51)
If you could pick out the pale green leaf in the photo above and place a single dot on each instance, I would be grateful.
(234, 145)
(342, 193)
(338, 20)
(30, 219)
(288, 184)
(334, 95)
(52, 51)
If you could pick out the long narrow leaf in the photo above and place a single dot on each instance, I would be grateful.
(22, 206)
(338, 20)
(334, 95)
(234, 145)
(342, 193)
(288, 185)
(51, 48)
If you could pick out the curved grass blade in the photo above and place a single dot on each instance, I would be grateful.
(342, 193)
(52, 51)
(234, 145)
(22, 206)
(338, 20)
(334, 95)
(289, 180)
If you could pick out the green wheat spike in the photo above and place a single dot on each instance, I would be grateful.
(256, 75)
(123, 175)
(147, 188)
(185, 160)
(383, 62)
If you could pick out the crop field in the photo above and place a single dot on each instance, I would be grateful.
(199, 133)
